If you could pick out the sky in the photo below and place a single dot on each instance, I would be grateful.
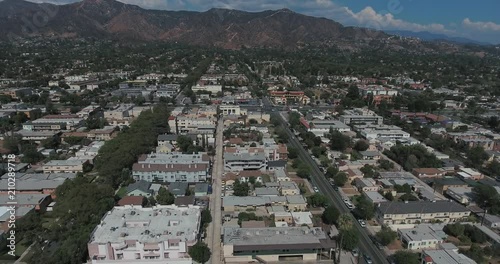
(476, 20)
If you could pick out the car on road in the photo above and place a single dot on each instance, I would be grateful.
(346, 200)
(368, 259)
(362, 223)
(350, 206)
(355, 252)
(336, 188)
(315, 189)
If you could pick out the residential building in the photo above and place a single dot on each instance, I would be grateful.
(370, 155)
(441, 185)
(70, 121)
(139, 188)
(178, 188)
(322, 127)
(120, 112)
(428, 172)
(230, 110)
(469, 174)
(463, 195)
(445, 256)
(423, 236)
(33, 183)
(360, 116)
(375, 197)
(387, 134)
(245, 161)
(272, 244)
(30, 126)
(366, 185)
(266, 191)
(491, 221)
(409, 212)
(212, 88)
(185, 124)
(282, 97)
(201, 189)
(288, 188)
(296, 202)
(103, 134)
(140, 235)
(242, 203)
(64, 166)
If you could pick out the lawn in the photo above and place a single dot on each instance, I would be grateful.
(122, 192)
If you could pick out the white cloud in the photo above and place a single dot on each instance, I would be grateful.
(482, 26)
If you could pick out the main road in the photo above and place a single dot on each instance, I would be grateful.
(365, 245)
(214, 228)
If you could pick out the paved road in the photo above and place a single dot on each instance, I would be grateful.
(365, 244)
(214, 229)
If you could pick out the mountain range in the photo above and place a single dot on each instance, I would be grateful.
(230, 29)
(428, 36)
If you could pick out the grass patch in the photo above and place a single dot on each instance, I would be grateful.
(122, 192)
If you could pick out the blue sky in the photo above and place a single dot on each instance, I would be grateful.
(478, 20)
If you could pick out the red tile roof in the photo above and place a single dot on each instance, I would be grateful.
(131, 200)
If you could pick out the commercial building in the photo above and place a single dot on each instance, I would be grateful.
(411, 212)
(273, 244)
(133, 234)
(360, 116)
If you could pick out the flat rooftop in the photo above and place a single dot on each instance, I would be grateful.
(270, 236)
(156, 224)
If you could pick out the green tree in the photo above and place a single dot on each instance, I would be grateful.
(406, 257)
(340, 178)
(240, 188)
(361, 145)
(385, 164)
(476, 156)
(349, 238)
(317, 200)
(364, 208)
(206, 217)
(164, 197)
(338, 141)
(330, 215)
(304, 171)
(293, 153)
(200, 252)
(456, 229)
(331, 172)
(386, 235)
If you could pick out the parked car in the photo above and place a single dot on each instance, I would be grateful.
(355, 252)
(362, 223)
(315, 189)
(368, 259)
(350, 206)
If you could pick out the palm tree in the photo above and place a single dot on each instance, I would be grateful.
(344, 223)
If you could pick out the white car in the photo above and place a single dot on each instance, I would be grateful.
(316, 189)
(350, 206)
(362, 223)
(346, 200)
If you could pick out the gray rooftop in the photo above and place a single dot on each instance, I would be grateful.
(178, 188)
(201, 187)
(65, 162)
(244, 156)
(37, 181)
(245, 200)
(273, 236)
(424, 232)
(139, 185)
(262, 191)
(159, 223)
(415, 207)
(442, 256)
(295, 199)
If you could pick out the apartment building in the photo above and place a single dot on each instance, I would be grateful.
(411, 212)
(182, 124)
(120, 112)
(272, 244)
(230, 109)
(64, 166)
(428, 172)
(30, 126)
(245, 161)
(35, 183)
(322, 127)
(133, 234)
(445, 256)
(70, 121)
(103, 134)
(361, 116)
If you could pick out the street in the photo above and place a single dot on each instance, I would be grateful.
(317, 178)
(214, 228)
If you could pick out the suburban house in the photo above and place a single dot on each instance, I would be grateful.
(428, 172)
(411, 212)
(178, 188)
(139, 188)
(423, 236)
(366, 185)
(201, 189)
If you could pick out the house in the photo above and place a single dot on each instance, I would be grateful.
(462, 195)
(131, 200)
(201, 189)
(184, 201)
(135, 234)
(393, 213)
(139, 188)
(428, 172)
(302, 219)
(370, 155)
(366, 185)
(469, 174)
(272, 244)
(441, 185)
(296, 203)
(64, 166)
(423, 236)
(288, 188)
(374, 197)
(491, 221)
(283, 217)
(444, 256)
(280, 175)
(242, 203)
(178, 188)
(266, 191)
(353, 174)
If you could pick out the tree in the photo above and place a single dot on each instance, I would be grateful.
(406, 257)
(184, 143)
(331, 172)
(349, 239)
(389, 196)
(340, 178)
(385, 164)
(475, 252)
(292, 153)
(200, 252)
(12, 143)
(386, 235)
(151, 201)
(240, 188)
(330, 215)
(368, 171)
(364, 208)
(338, 141)
(304, 171)
(165, 197)
(408, 197)
(476, 156)
(206, 217)
(487, 197)
(317, 200)
(456, 229)
(361, 145)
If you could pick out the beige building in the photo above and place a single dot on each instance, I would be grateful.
(296, 203)
(64, 166)
(393, 213)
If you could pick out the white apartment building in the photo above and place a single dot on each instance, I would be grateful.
(390, 134)
(423, 236)
(245, 161)
(186, 124)
(361, 116)
(120, 112)
(64, 166)
(131, 234)
(393, 213)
